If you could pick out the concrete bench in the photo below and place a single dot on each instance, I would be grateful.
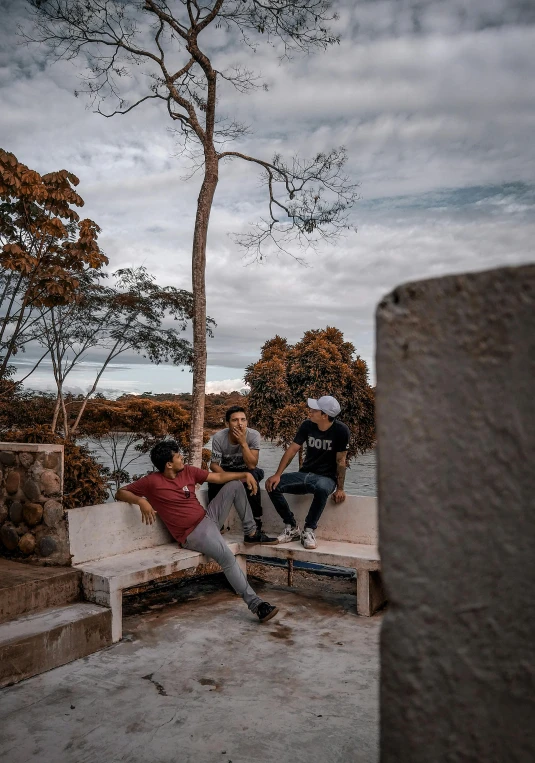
(346, 537)
(115, 551)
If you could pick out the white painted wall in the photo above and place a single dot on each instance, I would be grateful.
(108, 529)
(96, 532)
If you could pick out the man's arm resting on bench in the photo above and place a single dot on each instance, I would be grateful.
(339, 495)
(148, 515)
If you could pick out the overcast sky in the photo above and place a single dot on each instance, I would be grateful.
(434, 101)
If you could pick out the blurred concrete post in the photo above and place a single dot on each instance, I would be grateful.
(456, 432)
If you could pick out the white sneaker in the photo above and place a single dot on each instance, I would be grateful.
(290, 533)
(308, 539)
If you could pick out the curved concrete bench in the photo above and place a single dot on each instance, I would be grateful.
(116, 551)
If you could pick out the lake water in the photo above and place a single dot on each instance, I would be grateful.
(360, 477)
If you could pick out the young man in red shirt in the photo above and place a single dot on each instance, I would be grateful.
(170, 493)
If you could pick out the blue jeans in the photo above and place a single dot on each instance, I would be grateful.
(300, 483)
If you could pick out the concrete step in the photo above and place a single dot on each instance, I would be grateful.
(39, 641)
(25, 589)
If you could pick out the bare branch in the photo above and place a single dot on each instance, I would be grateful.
(242, 79)
(300, 25)
(314, 207)
(130, 108)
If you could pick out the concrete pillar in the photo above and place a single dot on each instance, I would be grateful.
(456, 432)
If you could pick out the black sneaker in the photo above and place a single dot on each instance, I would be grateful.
(259, 537)
(266, 611)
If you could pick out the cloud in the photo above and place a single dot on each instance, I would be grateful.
(435, 103)
(225, 385)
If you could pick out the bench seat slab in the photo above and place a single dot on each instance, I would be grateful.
(333, 553)
(105, 580)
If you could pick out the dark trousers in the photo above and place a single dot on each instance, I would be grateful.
(255, 501)
(299, 483)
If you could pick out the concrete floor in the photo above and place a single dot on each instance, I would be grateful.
(201, 681)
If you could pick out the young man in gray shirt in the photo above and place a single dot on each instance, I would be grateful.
(236, 449)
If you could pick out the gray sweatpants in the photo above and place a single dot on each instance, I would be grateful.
(207, 539)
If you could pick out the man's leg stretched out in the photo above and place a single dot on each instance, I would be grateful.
(207, 539)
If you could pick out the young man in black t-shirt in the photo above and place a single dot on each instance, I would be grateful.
(323, 471)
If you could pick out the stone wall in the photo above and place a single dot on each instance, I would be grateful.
(456, 479)
(33, 524)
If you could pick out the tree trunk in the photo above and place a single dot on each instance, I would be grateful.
(56, 414)
(204, 206)
(66, 433)
(110, 357)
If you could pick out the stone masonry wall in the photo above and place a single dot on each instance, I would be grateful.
(33, 524)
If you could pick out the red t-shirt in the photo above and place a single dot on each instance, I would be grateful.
(174, 500)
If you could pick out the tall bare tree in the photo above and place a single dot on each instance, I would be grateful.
(173, 41)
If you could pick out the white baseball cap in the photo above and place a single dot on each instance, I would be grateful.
(327, 404)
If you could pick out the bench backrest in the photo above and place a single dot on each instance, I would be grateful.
(108, 529)
(353, 521)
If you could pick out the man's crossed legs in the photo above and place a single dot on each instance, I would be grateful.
(207, 539)
(255, 500)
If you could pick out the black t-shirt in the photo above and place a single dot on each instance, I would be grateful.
(322, 447)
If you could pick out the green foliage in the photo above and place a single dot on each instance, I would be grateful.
(322, 363)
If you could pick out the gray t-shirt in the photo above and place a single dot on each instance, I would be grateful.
(230, 456)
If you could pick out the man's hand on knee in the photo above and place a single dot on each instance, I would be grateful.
(338, 496)
(272, 482)
(251, 484)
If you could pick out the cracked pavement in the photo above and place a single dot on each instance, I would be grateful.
(200, 680)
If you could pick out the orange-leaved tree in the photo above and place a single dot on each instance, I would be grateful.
(44, 250)
(321, 363)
